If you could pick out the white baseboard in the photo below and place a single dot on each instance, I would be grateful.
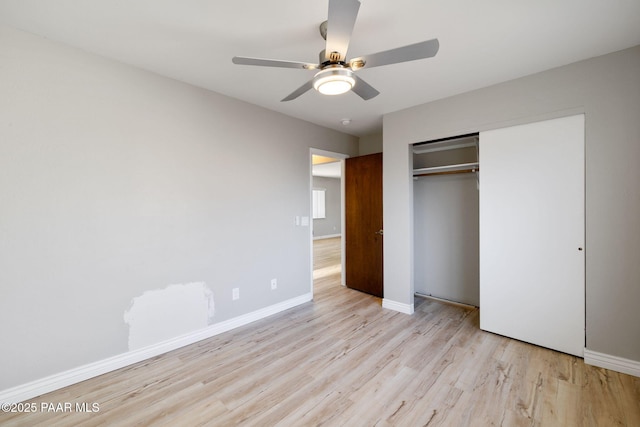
(328, 236)
(618, 364)
(397, 306)
(57, 381)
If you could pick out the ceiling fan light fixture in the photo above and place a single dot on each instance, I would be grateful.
(334, 81)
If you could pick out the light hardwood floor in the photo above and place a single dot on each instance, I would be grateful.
(342, 360)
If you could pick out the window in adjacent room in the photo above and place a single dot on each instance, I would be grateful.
(318, 203)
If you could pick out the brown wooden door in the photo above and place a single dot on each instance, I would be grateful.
(363, 224)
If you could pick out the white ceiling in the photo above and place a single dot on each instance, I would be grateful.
(481, 43)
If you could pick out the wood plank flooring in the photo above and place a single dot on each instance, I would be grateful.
(342, 360)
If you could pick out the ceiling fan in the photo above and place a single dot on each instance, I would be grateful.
(336, 74)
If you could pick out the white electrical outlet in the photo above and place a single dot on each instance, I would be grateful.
(235, 294)
(274, 284)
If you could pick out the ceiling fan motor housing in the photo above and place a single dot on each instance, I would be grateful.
(332, 58)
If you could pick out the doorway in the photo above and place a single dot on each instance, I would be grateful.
(327, 207)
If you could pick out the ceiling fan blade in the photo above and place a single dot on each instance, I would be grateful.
(342, 18)
(241, 60)
(422, 50)
(296, 93)
(363, 89)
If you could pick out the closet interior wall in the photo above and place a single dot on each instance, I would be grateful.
(446, 220)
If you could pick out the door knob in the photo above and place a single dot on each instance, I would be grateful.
(380, 232)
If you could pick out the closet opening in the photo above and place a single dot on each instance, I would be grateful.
(446, 219)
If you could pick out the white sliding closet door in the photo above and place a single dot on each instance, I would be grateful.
(532, 233)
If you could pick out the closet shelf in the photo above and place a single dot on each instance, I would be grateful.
(459, 168)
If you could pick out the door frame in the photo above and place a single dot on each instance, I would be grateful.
(341, 157)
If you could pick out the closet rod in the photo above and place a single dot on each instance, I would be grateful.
(468, 167)
(446, 172)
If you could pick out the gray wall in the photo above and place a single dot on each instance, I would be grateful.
(446, 237)
(607, 90)
(332, 224)
(117, 183)
(370, 144)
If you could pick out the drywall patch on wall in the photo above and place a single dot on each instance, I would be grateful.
(162, 314)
